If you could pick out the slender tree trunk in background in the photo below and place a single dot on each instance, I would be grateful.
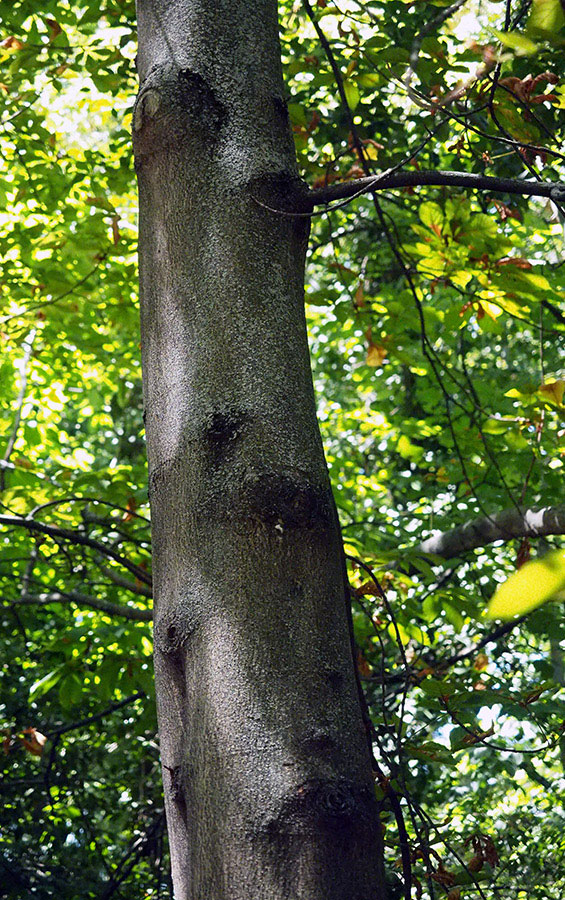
(266, 767)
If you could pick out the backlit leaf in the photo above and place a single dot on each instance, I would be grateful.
(529, 587)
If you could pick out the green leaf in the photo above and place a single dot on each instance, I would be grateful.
(435, 688)
(430, 751)
(432, 215)
(546, 16)
(521, 44)
(529, 587)
(369, 80)
(39, 688)
(351, 94)
(496, 426)
(297, 115)
(70, 691)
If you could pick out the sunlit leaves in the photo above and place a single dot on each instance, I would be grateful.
(439, 378)
(535, 583)
(546, 17)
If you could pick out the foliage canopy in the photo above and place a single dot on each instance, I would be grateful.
(435, 318)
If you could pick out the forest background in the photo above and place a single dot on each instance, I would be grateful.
(435, 315)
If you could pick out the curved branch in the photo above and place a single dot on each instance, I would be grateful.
(64, 729)
(112, 609)
(348, 189)
(75, 538)
(502, 526)
(136, 587)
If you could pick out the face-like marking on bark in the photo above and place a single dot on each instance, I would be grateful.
(201, 101)
(222, 431)
(288, 500)
(330, 804)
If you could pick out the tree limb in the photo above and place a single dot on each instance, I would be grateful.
(75, 538)
(63, 729)
(134, 586)
(348, 189)
(502, 526)
(112, 609)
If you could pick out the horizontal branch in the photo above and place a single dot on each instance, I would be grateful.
(349, 189)
(112, 609)
(75, 537)
(63, 729)
(502, 526)
(136, 587)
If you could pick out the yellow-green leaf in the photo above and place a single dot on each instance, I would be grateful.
(521, 44)
(529, 587)
(546, 16)
(553, 391)
(432, 215)
(351, 94)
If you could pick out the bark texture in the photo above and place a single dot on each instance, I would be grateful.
(502, 526)
(266, 766)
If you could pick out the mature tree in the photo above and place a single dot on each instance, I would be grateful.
(268, 783)
(398, 746)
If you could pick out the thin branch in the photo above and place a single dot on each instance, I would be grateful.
(59, 297)
(122, 870)
(337, 75)
(134, 586)
(19, 405)
(502, 526)
(62, 501)
(491, 637)
(555, 312)
(554, 191)
(75, 537)
(63, 729)
(112, 609)
(434, 23)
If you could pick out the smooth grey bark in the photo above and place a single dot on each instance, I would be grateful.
(502, 526)
(267, 773)
(391, 179)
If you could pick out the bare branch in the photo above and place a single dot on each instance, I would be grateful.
(437, 21)
(136, 587)
(347, 189)
(63, 729)
(19, 405)
(75, 537)
(502, 526)
(112, 609)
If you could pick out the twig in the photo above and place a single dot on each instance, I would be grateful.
(436, 22)
(112, 609)
(74, 537)
(63, 729)
(19, 405)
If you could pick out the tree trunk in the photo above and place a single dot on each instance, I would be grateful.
(268, 786)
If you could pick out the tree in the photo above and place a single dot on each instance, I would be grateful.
(268, 779)
(277, 782)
